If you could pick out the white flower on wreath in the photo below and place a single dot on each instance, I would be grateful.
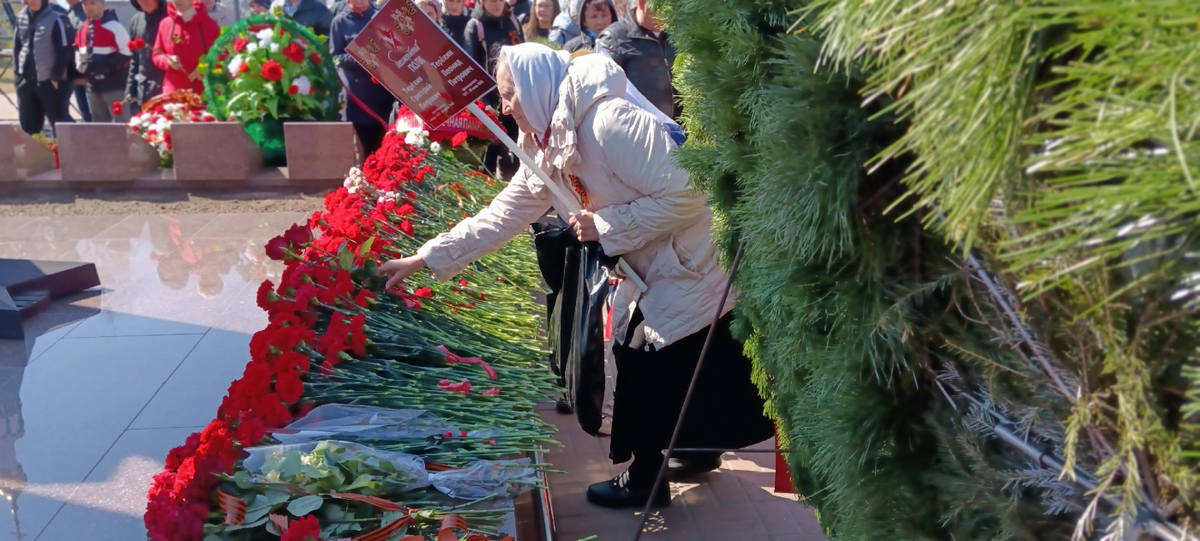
(274, 47)
(264, 36)
(235, 65)
(303, 85)
(251, 47)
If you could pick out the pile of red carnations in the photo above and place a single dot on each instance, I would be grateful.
(335, 336)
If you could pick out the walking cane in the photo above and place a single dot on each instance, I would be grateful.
(687, 399)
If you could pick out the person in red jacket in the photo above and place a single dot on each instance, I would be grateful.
(184, 36)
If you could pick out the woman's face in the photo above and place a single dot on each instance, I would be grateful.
(455, 7)
(495, 8)
(597, 16)
(257, 9)
(508, 99)
(545, 13)
(358, 6)
(430, 11)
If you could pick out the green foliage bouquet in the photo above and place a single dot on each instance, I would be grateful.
(266, 67)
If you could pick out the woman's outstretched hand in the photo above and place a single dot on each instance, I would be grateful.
(397, 270)
(584, 225)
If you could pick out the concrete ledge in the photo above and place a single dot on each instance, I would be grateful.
(103, 152)
(321, 150)
(214, 151)
(21, 156)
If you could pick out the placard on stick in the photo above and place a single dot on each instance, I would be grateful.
(413, 58)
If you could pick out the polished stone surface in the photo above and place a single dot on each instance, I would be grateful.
(108, 380)
(320, 150)
(98, 151)
(214, 151)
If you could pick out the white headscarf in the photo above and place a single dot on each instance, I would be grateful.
(538, 71)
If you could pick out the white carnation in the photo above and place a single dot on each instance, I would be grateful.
(435, 147)
(303, 85)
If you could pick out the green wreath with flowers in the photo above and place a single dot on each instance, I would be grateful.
(264, 70)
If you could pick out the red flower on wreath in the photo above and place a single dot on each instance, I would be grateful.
(271, 71)
(303, 529)
(240, 44)
(315, 58)
(293, 52)
(293, 90)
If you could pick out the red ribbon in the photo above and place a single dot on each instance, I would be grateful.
(452, 358)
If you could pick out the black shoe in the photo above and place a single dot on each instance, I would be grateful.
(619, 492)
(564, 407)
(684, 467)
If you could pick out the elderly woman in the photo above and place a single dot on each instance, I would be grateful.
(637, 203)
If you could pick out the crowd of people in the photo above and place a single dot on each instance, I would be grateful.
(82, 57)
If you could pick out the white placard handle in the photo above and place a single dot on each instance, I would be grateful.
(550, 184)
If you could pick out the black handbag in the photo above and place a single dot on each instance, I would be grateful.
(577, 274)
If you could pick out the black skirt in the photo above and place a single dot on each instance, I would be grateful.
(726, 410)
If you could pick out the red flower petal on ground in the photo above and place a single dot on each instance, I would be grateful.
(293, 52)
(463, 387)
(240, 43)
(306, 528)
(494, 391)
(458, 139)
(271, 71)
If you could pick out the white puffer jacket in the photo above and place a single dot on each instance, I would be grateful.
(645, 209)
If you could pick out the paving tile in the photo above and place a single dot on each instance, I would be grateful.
(108, 505)
(184, 225)
(55, 229)
(251, 225)
(79, 397)
(192, 394)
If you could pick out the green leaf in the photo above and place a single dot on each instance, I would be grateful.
(290, 465)
(361, 481)
(366, 246)
(277, 496)
(273, 106)
(346, 260)
(247, 525)
(306, 505)
(391, 516)
(258, 509)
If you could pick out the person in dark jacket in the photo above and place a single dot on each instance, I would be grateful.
(594, 17)
(260, 7)
(310, 13)
(520, 9)
(492, 26)
(75, 18)
(454, 20)
(640, 46)
(42, 52)
(145, 79)
(102, 56)
(565, 27)
(368, 103)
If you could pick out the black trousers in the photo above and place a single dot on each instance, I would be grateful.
(498, 159)
(371, 136)
(726, 411)
(37, 102)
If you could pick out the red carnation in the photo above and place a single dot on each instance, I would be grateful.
(293, 90)
(249, 431)
(117, 107)
(137, 44)
(244, 68)
(358, 338)
(407, 228)
(298, 234)
(424, 292)
(276, 248)
(288, 386)
(271, 410)
(458, 139)
(271, 71)
(240, 43)
(363, 298)
(315, 58)
(303, 529)
(293, 52)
